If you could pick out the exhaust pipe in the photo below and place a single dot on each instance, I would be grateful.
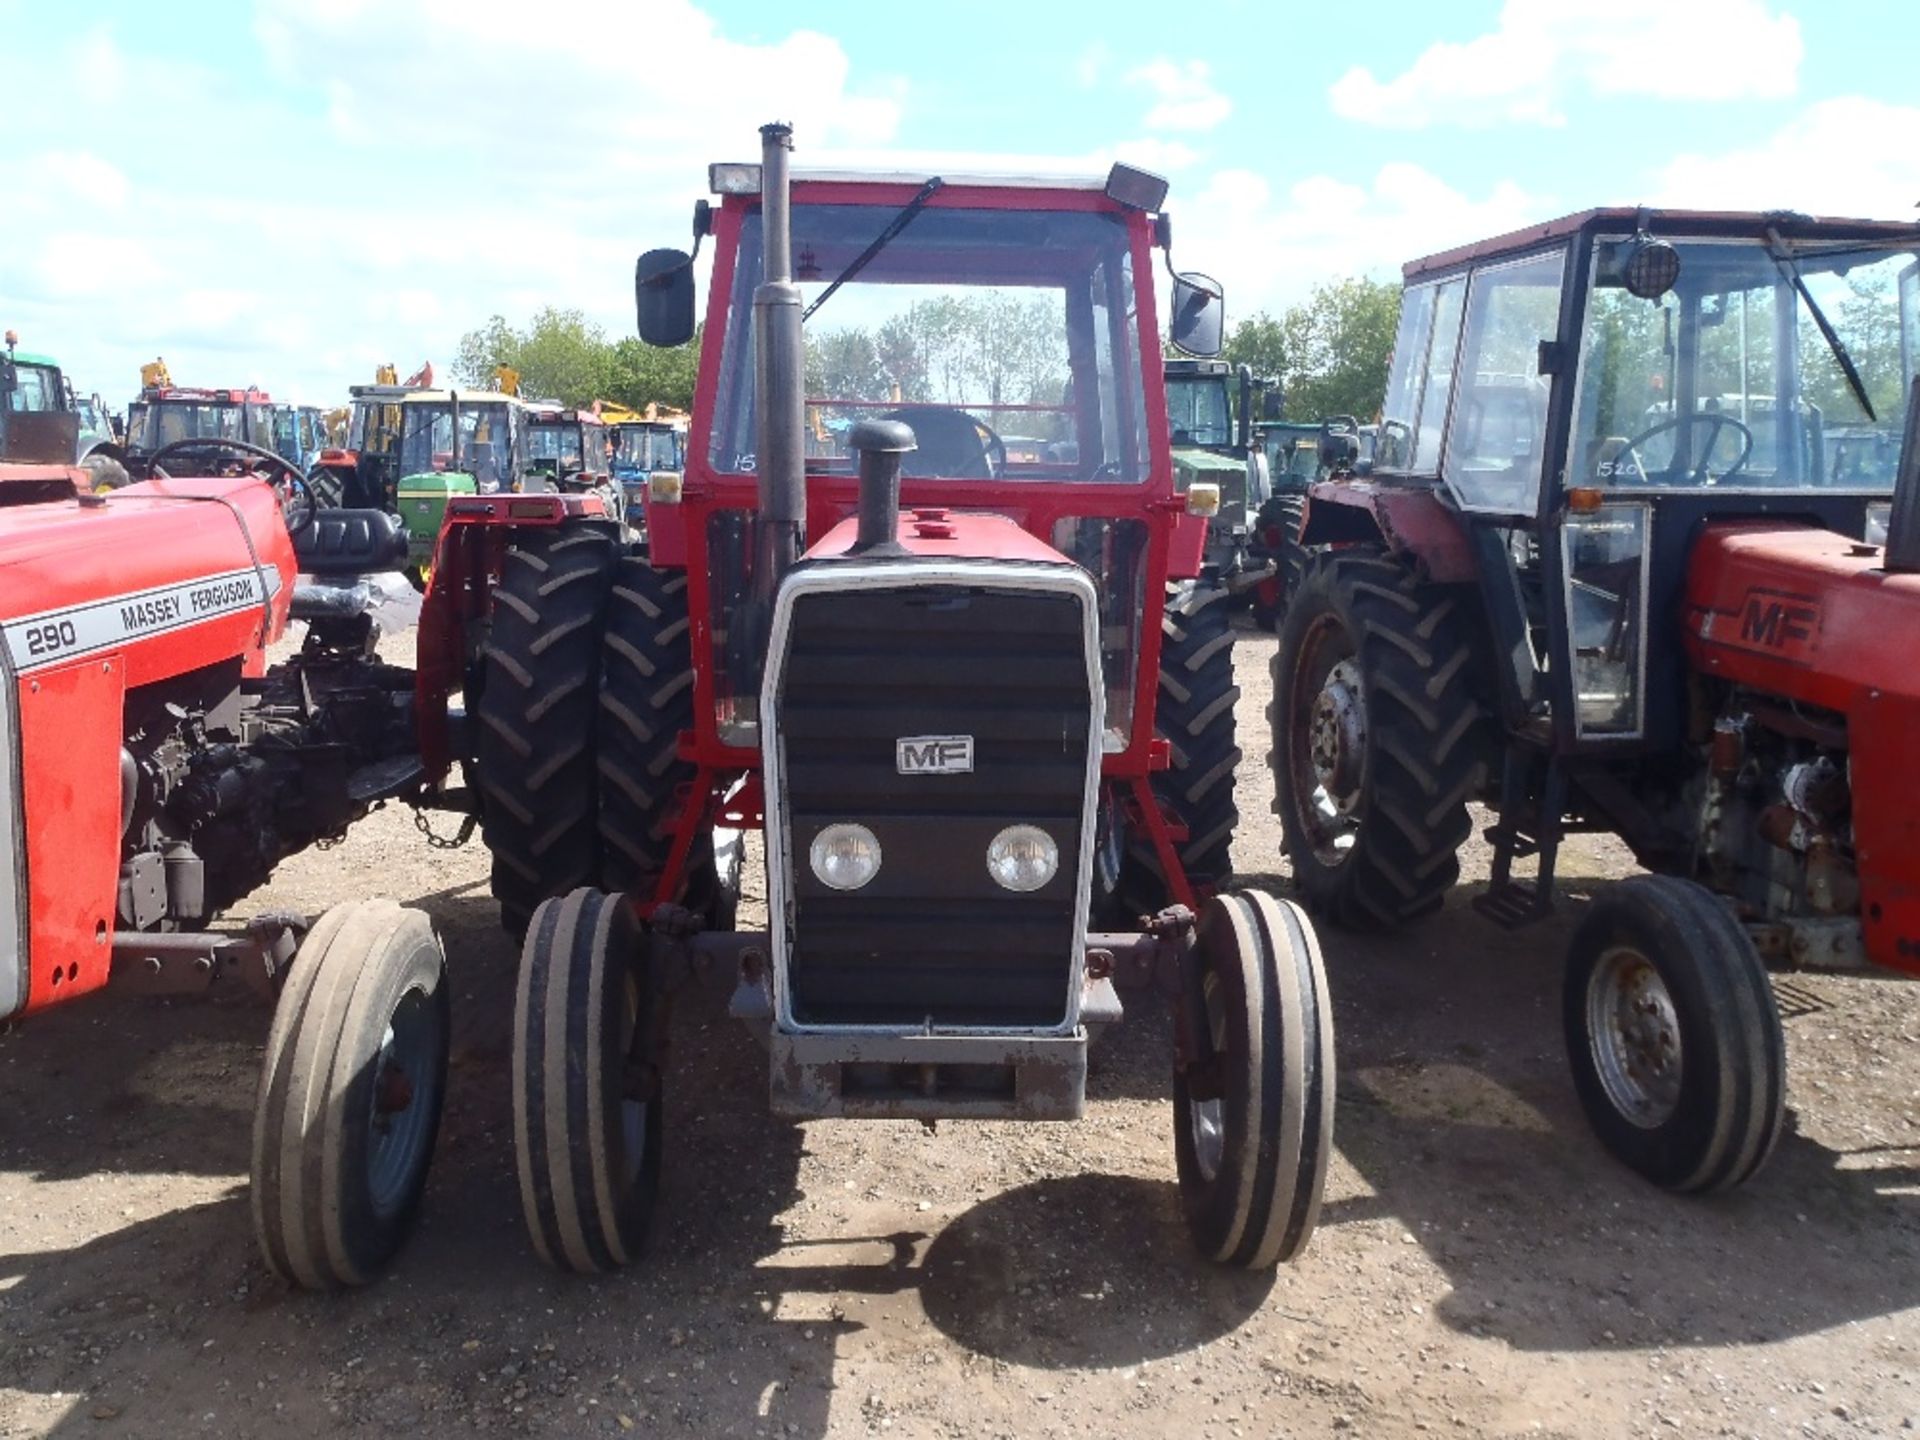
(1903, 525)
(779, 377)
(882, 445)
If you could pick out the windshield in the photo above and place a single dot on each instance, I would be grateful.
(1727, 381)
(971, 325)
(1197, 410)
(161, 422)
(426, 441)
(559, 442)
(374, 428)
(38, 388)
(636, 447)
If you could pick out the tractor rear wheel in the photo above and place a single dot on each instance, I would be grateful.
(1195, 716)
(329, 490)
(646, 701)
(1379, 739)
(1253, 1116)
(586, 1084)
(350, 1095)
(1278, 532)
(535, 717)
(1674, 1035)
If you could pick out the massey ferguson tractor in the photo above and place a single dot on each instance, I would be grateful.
(1638, 552)
(973, 701)
(154, 769)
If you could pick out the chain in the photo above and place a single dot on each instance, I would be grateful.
(441, 842)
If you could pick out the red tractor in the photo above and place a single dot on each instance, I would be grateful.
(1623, 562)
(967, 690)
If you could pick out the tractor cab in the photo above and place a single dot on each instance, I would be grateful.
(37, 423)
(299, 435)
(641, 450)
(454, 443)
(165, 413)
(1588, 395)
(1210, 413)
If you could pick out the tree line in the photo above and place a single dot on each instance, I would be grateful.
(1330, 351)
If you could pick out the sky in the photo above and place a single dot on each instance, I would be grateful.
(289, 193)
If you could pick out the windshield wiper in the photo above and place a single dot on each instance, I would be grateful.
(880, 242)
(1783, 262)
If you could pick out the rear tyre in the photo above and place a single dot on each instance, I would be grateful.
(1674, 1036)
(1195, 715)
(350, 1095)
(1253, 1118)
(1277, 531)
(535, 717)
(646, 701)
(329, 491)
(1379, 740)
(586, 1084)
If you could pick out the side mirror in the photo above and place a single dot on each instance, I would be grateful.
(663, 297)
(1199, 314)
(9, 376)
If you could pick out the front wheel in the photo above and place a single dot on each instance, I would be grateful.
(1253, 1115)
(350, 1095)
(1674, 1036)
(586, 1084)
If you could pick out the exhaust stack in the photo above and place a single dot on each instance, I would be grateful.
(882, 445)
(779, 377)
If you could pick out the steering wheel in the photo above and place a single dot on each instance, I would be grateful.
(937, 419)
(1718, 420)
(297, 504)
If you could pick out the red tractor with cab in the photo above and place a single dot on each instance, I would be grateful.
(966, 689)
(1638, 552)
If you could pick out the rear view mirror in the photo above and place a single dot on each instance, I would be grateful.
(9, 380)
(663, 297)
(1199, 314)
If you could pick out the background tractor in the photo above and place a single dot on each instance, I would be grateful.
(966, 690)
(360, 470)
(43, 418)
(1210, 427)
(572, 451)
(1636, 553)
(1297, 454)
(165, 414)
(645, 444)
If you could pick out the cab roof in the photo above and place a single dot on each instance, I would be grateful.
(1626, 219)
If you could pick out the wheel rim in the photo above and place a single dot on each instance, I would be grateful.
(1633, 1031)
(1207, 1119)
(405, 1100)
(1328, 743)
(633, 1110)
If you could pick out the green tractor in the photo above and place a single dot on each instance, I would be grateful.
(450, 443)
(1297, 453)
(43, 419)
(1211, 437)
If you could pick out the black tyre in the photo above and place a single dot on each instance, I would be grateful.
(1379, 738)
(586, 1084)
(535, 717)
(1674, 1036)
(329, 490)
(1253, 1119)
(646, 700)
(1276, 533)
(1195, 715)
(350, 1095)
(104, 473)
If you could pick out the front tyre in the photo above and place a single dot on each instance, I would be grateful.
(350, 1095)
(1253, 1116)
(1674, 1036)
(586, 1084)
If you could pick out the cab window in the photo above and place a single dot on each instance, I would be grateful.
(1495, 441)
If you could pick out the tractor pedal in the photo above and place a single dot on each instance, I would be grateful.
(1515, 904)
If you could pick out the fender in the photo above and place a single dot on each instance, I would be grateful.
(1405, 520)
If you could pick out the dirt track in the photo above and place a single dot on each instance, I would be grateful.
(1481, 1268)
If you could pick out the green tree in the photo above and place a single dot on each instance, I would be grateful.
(1336, 345)
(1259, 342)
(561, 355)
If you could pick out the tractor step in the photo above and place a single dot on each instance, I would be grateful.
(1533, 796)
(1515, 904)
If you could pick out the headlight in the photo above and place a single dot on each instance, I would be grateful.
(1879, 517)
(845, 856)
(1022, 857)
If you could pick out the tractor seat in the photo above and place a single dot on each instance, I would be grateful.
(351, 542)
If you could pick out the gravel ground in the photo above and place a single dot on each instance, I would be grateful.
(1482, 1268)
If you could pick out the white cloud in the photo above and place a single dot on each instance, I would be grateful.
(1520, 71)
(1092, 64)
(1831, 159)
(1186, 97)
(1269, 248)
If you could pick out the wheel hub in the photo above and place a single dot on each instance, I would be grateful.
(1337, 735)
(1634, 1030)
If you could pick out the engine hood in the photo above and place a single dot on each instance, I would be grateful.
(941, 534)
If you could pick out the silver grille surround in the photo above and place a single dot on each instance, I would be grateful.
(1062, 578)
